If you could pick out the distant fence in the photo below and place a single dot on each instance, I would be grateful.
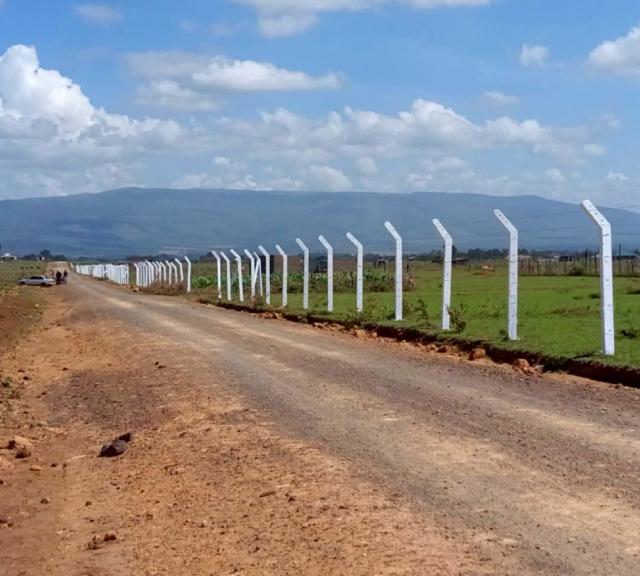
(160, 272)
(588, 265)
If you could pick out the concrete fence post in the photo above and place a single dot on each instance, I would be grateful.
(259, 273)
(329, 249)
(253, 273)
(606, 278)
(240, 278)
(513, 274)
(359, 271)
(305, 280)
(267, 270)
(226, 259)
(219, 274)
(446, 273)
(399, 287)
(285, 274)
(186, 258)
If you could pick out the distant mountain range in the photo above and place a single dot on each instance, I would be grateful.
(131, 221)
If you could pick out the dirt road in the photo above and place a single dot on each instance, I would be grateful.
(265, 447)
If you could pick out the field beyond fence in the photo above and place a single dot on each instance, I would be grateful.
(12, 270)
(558, 315)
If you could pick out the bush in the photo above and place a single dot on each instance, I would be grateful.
(456, 314)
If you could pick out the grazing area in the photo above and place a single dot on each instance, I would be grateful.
(559, 315)
(12, 270)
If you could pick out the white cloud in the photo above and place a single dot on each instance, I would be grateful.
(499, 98)
(54, 140)
(555, 176)
(594, 149)
(326, 178)
(620, 56)
(167, 93)
(616, 177)
(367, 166)
(445, 164)
(190, 81)
(98, 14)
(427, 129)
(534, 56)
(47, 124)
(288, 17)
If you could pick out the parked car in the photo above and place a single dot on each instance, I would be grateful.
(37, 281)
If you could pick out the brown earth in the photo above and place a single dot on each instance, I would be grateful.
(206, 487)
(262, 447)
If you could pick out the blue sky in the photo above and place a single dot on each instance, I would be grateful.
(493, 96)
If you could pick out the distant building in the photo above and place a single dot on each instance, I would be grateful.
(7, 257)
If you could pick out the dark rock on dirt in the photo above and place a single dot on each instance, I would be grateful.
(117, 446)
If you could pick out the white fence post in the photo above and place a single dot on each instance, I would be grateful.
(186, 258)
(137, 268)
(267, 278)
(305, 283)
(399, 287)
(446, 274)
(329, 249)
(606, 278)
(179, 263)
(175, 272)
(359, 270)
(226, 259)
(219, 274)
(240, 279)
(513, 274)
(258, 272)
(253, 273)
(285, 274)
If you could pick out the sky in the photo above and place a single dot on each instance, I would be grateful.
(503, 97)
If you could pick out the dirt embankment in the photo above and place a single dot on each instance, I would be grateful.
(207, 486)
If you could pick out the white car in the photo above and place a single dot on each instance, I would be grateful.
(37, 281)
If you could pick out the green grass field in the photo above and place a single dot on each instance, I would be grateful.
(558, 316)
(12, 271)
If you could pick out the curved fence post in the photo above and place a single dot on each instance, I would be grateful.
(329, 249)
(446, 273)
(240, 278)
(285, 274)
(186, 258)
(398, 279)
(359, 270)
(163, 272)
(513, 273)
(267, 270)
(258, 272)
(226, 259)
(253, 273)
(305, 280)
(179, 263)
(219, 275)
(174, 269)
(606, 278)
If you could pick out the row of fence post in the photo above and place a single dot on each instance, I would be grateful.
(606, 273)
(168, 272)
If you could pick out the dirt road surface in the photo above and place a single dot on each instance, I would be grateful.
(266, 447)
